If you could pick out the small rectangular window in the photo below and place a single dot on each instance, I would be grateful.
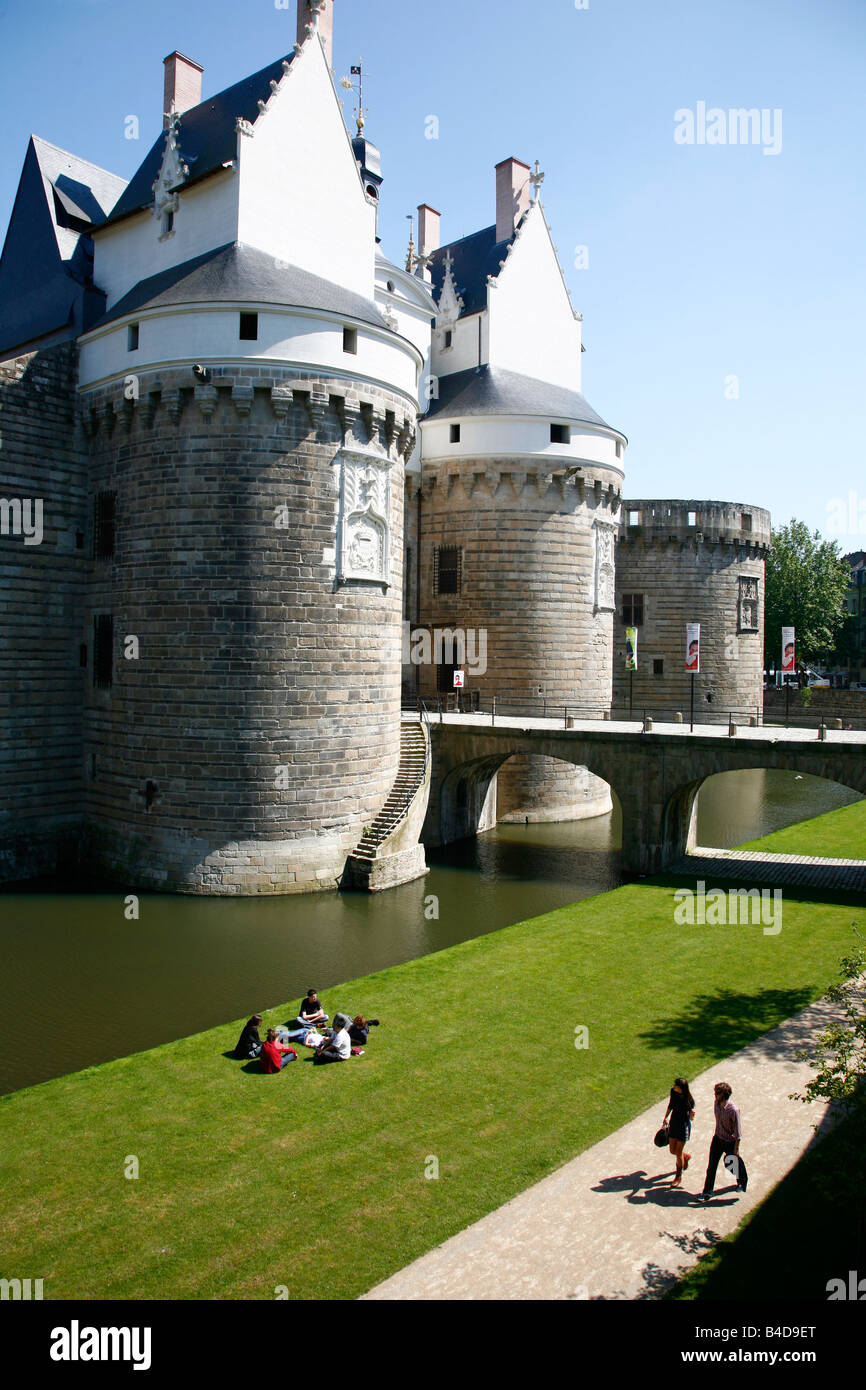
(634, 518)
(693, 518)
(132, 337)
(104, 514)
(249, 330)
(449, 338)
(745, 521)
(455, 434)
(447, 570)
(82, 655)
(658, 666)
(103, 651)
(632, 610)
(560, 434)
(350, 340)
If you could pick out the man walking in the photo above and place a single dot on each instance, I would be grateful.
(726, 1139)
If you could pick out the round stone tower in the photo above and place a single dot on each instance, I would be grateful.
(244, 721)
(520, 495)
(682, 562)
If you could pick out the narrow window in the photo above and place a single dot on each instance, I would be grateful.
(82, 655)
(449, 338)
(619, 448)
(79, 540)
(632, 610)
(658, 666)
(693, 518)
(747, 620)
(132, 338)
(634, 518)
(104, 513)
(167, 223)
(560, 434)
(745, 521)
(103, 651)
(447, 570)
(350, 340)
(249, 330)
(455, 434)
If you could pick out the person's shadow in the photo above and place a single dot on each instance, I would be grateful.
(641, 1189)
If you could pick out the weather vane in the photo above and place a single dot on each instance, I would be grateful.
(346, 82)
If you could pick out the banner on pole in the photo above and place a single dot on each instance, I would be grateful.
(789, 650)
(631, 649)
(693, 648)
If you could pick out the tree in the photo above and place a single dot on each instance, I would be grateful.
(838, 1058)
(807, 584)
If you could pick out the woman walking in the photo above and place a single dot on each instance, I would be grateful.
(681, 1108)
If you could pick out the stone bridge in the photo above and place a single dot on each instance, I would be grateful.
(655, 775)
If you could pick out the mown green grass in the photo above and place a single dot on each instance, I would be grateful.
(315, 1179)
(836, 835)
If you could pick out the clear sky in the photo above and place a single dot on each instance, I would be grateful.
(723, 298)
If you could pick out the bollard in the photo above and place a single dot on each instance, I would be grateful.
(569, 722)
(678, 717)
(732, 729)
(647, 724)
(836, 724)
(753, 721)
(822, 733)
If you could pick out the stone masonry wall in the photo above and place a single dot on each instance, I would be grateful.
(41, 590)
(691, 573)
(259, 729)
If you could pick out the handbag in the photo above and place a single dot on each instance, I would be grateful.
(661, 1137)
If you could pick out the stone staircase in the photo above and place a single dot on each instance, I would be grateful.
(382, 840)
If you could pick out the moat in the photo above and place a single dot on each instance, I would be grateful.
(84, 985)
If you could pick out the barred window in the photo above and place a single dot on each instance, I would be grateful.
(632, 610)
(103, 651)
(748, 606)
(447, 569)
(104, 512)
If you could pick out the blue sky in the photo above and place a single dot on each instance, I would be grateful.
(706, 262)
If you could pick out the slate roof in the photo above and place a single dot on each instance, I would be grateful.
(238, 273)
(206, 137)
(489, 390)
(475, 257)
(47, 260)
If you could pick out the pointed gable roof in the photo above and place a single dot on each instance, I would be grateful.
(45, 266)
(474, 258)
(206, 137)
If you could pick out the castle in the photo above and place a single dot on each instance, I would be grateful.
(240, 449)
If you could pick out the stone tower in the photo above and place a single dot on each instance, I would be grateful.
(518, 499)
(682, 562)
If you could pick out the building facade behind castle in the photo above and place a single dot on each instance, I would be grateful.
(260, 449)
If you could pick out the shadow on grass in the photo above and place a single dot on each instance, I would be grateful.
(721, 1023)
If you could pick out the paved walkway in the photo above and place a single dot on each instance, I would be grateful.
(608, 1225)
(754, 866)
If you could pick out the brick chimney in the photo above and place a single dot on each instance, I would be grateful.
(182, 88)
(325, 9)
(512, 196)
(429, 237)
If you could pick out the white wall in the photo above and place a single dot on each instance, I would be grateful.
(211, 336)
(207, 217)
(518, 438)
(532, 325)
(465, 351)
(301, 196)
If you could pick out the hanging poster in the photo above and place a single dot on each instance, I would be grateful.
(788, 650)
(631, 649)
(693, 648)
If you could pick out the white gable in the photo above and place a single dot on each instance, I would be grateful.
(533, 329)
(301, 198)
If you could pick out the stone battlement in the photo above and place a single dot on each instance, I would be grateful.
(696, 523)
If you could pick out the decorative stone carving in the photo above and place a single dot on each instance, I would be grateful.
(365, 511)
(604, 537)
(450, 304)
(242, 399)
(206, 398)
(282, 399)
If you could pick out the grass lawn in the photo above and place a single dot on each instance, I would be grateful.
(315, 1179)
(837, 835)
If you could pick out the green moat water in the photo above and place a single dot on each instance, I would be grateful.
(83, 984)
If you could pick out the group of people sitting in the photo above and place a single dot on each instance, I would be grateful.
(347, 1038)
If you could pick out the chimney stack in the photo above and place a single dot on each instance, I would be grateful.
(182, 89)
(429, 238)
(325, 11)
(512, 196)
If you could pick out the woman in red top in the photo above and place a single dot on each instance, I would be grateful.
(276, 1054)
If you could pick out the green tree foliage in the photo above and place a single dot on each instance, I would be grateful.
(807, 581)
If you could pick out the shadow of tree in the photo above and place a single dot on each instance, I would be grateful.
(724, 1022)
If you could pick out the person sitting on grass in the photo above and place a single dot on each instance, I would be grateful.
(276, 1054)
(359, 1029)
(337, 1048)
(311, 1010)
(249, 1042)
